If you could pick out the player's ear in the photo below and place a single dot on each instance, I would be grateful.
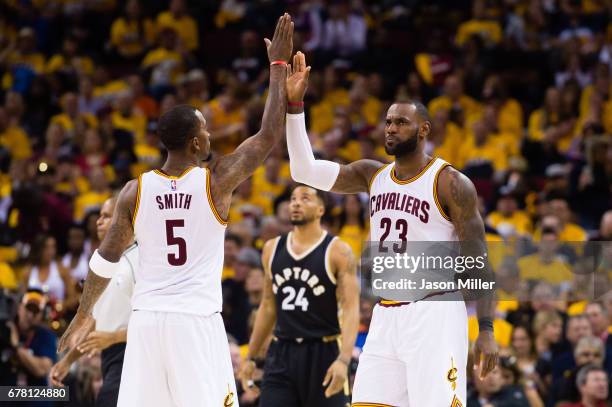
(425, 129)
(195, 144)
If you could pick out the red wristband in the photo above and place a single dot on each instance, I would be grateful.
(296, 104)
(278, 63)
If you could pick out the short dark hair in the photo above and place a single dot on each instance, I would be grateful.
(322, 195)
(177, 126)
(420, 108)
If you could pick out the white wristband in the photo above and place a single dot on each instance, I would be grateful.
(101, 266)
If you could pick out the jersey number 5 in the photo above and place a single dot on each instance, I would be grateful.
(180, 258)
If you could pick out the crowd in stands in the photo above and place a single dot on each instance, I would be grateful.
(520, 98)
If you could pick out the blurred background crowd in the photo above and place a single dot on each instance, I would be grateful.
(520, 96)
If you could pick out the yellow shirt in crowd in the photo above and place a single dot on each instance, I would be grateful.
(134, 123)
(219, 118)
(491, 151)
(126, 38)
(533, 268)
(490, 30)
(16, 141)
(87, 202)
(83, 65)
(186, 27)
(519, 219)
(470, 107)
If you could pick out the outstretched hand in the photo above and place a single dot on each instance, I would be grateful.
(281, 46)
(297, 78)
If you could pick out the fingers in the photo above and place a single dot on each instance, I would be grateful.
(334, 387)
(328, 376)
(277, 28)
(296, 63)
(476, 357)
(268, 42)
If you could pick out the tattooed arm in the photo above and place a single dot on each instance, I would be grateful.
(231, 170)
(458, 196)
(118, 238)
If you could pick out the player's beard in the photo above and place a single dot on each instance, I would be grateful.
(301, 221)
(405, 147)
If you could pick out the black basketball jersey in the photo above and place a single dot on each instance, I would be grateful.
(304, 290)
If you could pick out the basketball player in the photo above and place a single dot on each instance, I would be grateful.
(177, 351)
(415, 353)
(307, 272)
(111, 314)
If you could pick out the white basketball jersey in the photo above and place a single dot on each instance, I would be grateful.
(408, 210)
(180, 239)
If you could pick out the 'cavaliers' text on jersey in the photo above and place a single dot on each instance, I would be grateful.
(408, 210)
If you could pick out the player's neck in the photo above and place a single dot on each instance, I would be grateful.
(410, 165)
(177, 163)
(307, 234)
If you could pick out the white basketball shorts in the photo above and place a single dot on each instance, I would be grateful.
(415, 355)
(176, 360)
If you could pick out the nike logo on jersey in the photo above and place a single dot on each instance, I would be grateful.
(178, 200)
(298, 274)
(400, 202)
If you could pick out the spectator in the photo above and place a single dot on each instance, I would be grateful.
(548, 330)
(593, 384)
(22, 63)
(344, 33)
(491, 391)
(13, 138)
(77, 259)
(545, 265)
(569, 232)
(508, 219)
(45, 273)
(93, 152)
(351, 223)
(225, 116)
(236, 307)
(33, 344)
(131, 34)
(178, 18)
(489, 30)
(164, 63)
(589, 351)
(93, 199)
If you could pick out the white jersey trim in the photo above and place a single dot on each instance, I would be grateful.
(328, 269)
(307, 252)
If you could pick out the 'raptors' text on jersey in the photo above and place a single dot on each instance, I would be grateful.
(305, 290)
(408, 210)
(180, 237)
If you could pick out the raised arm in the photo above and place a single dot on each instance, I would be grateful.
(458, 196)
(321, 174)
(230, 170)
(103, 263)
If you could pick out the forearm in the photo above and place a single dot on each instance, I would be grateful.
(349, 329)
(276, 106)
(72, 356)
(37, 366)
(320, 174)
(264, 323)
(93, 289)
